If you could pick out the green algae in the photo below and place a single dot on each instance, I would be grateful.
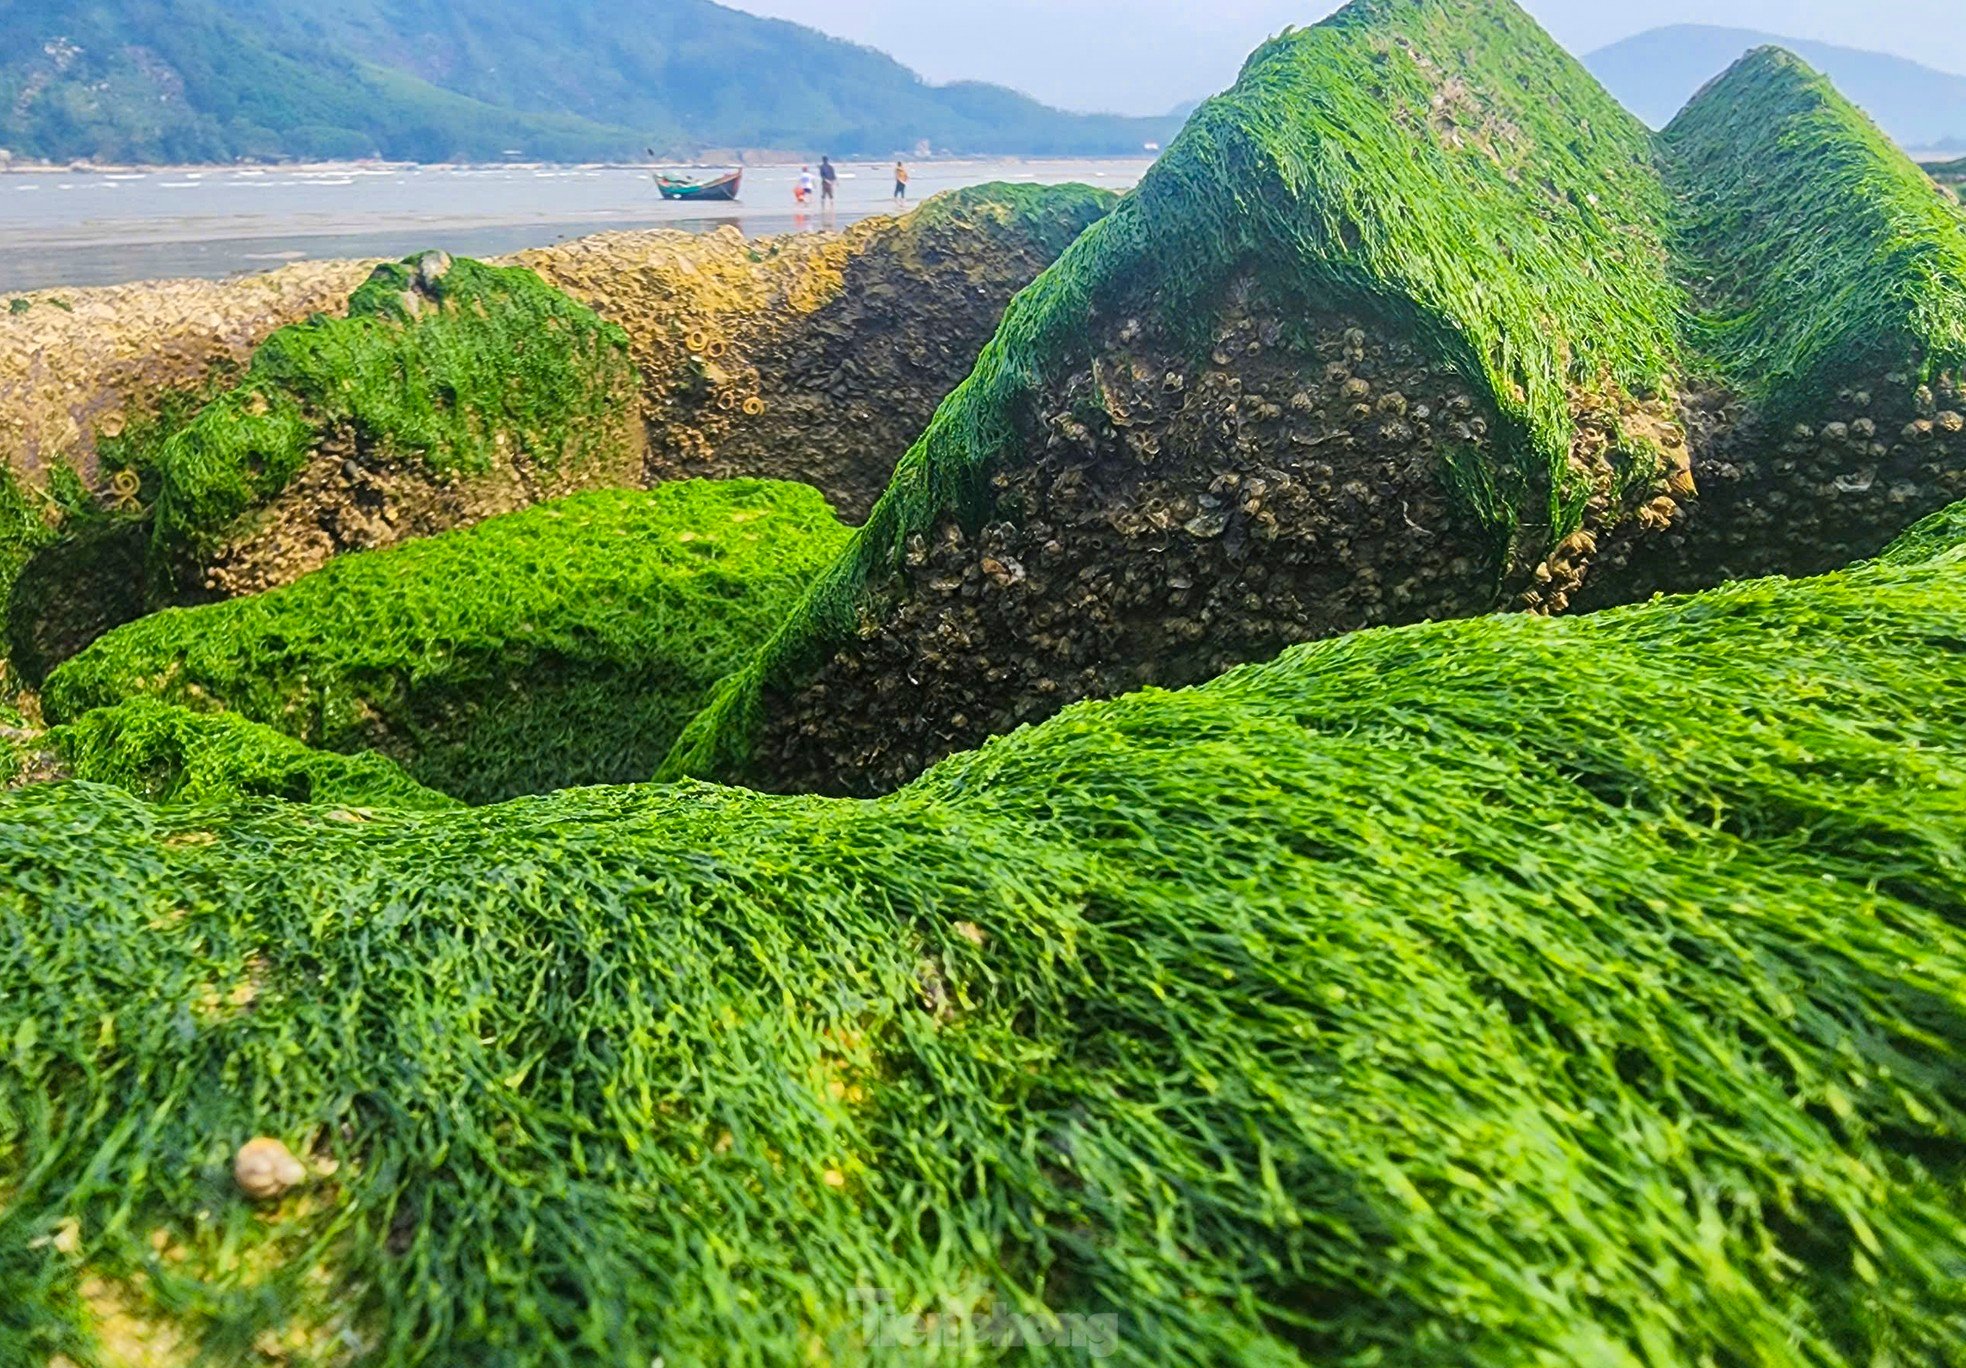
(1503, 991)
(1441, 163)
(1488, 992)
(167, 754)
(1938, 537)
(24, 528)
(565, 644)
(457, 367)
(68, 558)
(1824, 256)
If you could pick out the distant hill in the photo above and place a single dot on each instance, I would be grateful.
(1655, 73)
(556, 80)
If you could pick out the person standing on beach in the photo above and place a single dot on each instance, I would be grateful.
(900, 183)
(829, 180)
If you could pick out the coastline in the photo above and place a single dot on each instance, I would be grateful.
(109, 227)
(751, 161)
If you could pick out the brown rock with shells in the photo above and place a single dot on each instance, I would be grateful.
(1173, 514)
(817, 357)
(1795, 498)
(78, 364)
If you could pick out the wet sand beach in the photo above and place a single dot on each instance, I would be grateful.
(87, 228)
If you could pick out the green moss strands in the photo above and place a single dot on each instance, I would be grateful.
(561, 645)
(454, 364)
(1505, 990)
(171, 755)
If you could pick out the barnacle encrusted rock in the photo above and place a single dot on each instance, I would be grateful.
(815, 356)
(1409, 324)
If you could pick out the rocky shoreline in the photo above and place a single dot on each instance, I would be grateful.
(81, 364)
(181, 440)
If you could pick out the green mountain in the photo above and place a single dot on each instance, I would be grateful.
(195, 80)
(1655, 73)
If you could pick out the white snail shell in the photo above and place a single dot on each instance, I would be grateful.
(265, 1169)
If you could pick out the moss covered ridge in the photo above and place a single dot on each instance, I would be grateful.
(1440, 166)
(1827, 404)
(452, 366)
(1438, 160)
(562, 645)
(1824, 257)
(1439, 163)
(1583, 990)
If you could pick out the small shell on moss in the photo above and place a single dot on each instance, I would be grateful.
(265, 1169)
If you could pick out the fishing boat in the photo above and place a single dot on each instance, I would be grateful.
(722, 188)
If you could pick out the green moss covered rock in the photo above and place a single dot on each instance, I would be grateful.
(562, 645)
(1823, 255)
(1588, 990)
(1412, 323)
(451, 389)
(1826, 338)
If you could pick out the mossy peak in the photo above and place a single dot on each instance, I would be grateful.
(1439, 164)
(1823, 254)
(1444, 160)
(1441, 160)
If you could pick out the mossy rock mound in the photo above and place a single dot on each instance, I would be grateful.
(452, 391)
(1587, 989)
(1398, 329)
(1827, 404)
(817, 356)
(1360, 348)
(565, 644)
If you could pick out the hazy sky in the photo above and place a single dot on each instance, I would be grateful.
(1144, 56)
